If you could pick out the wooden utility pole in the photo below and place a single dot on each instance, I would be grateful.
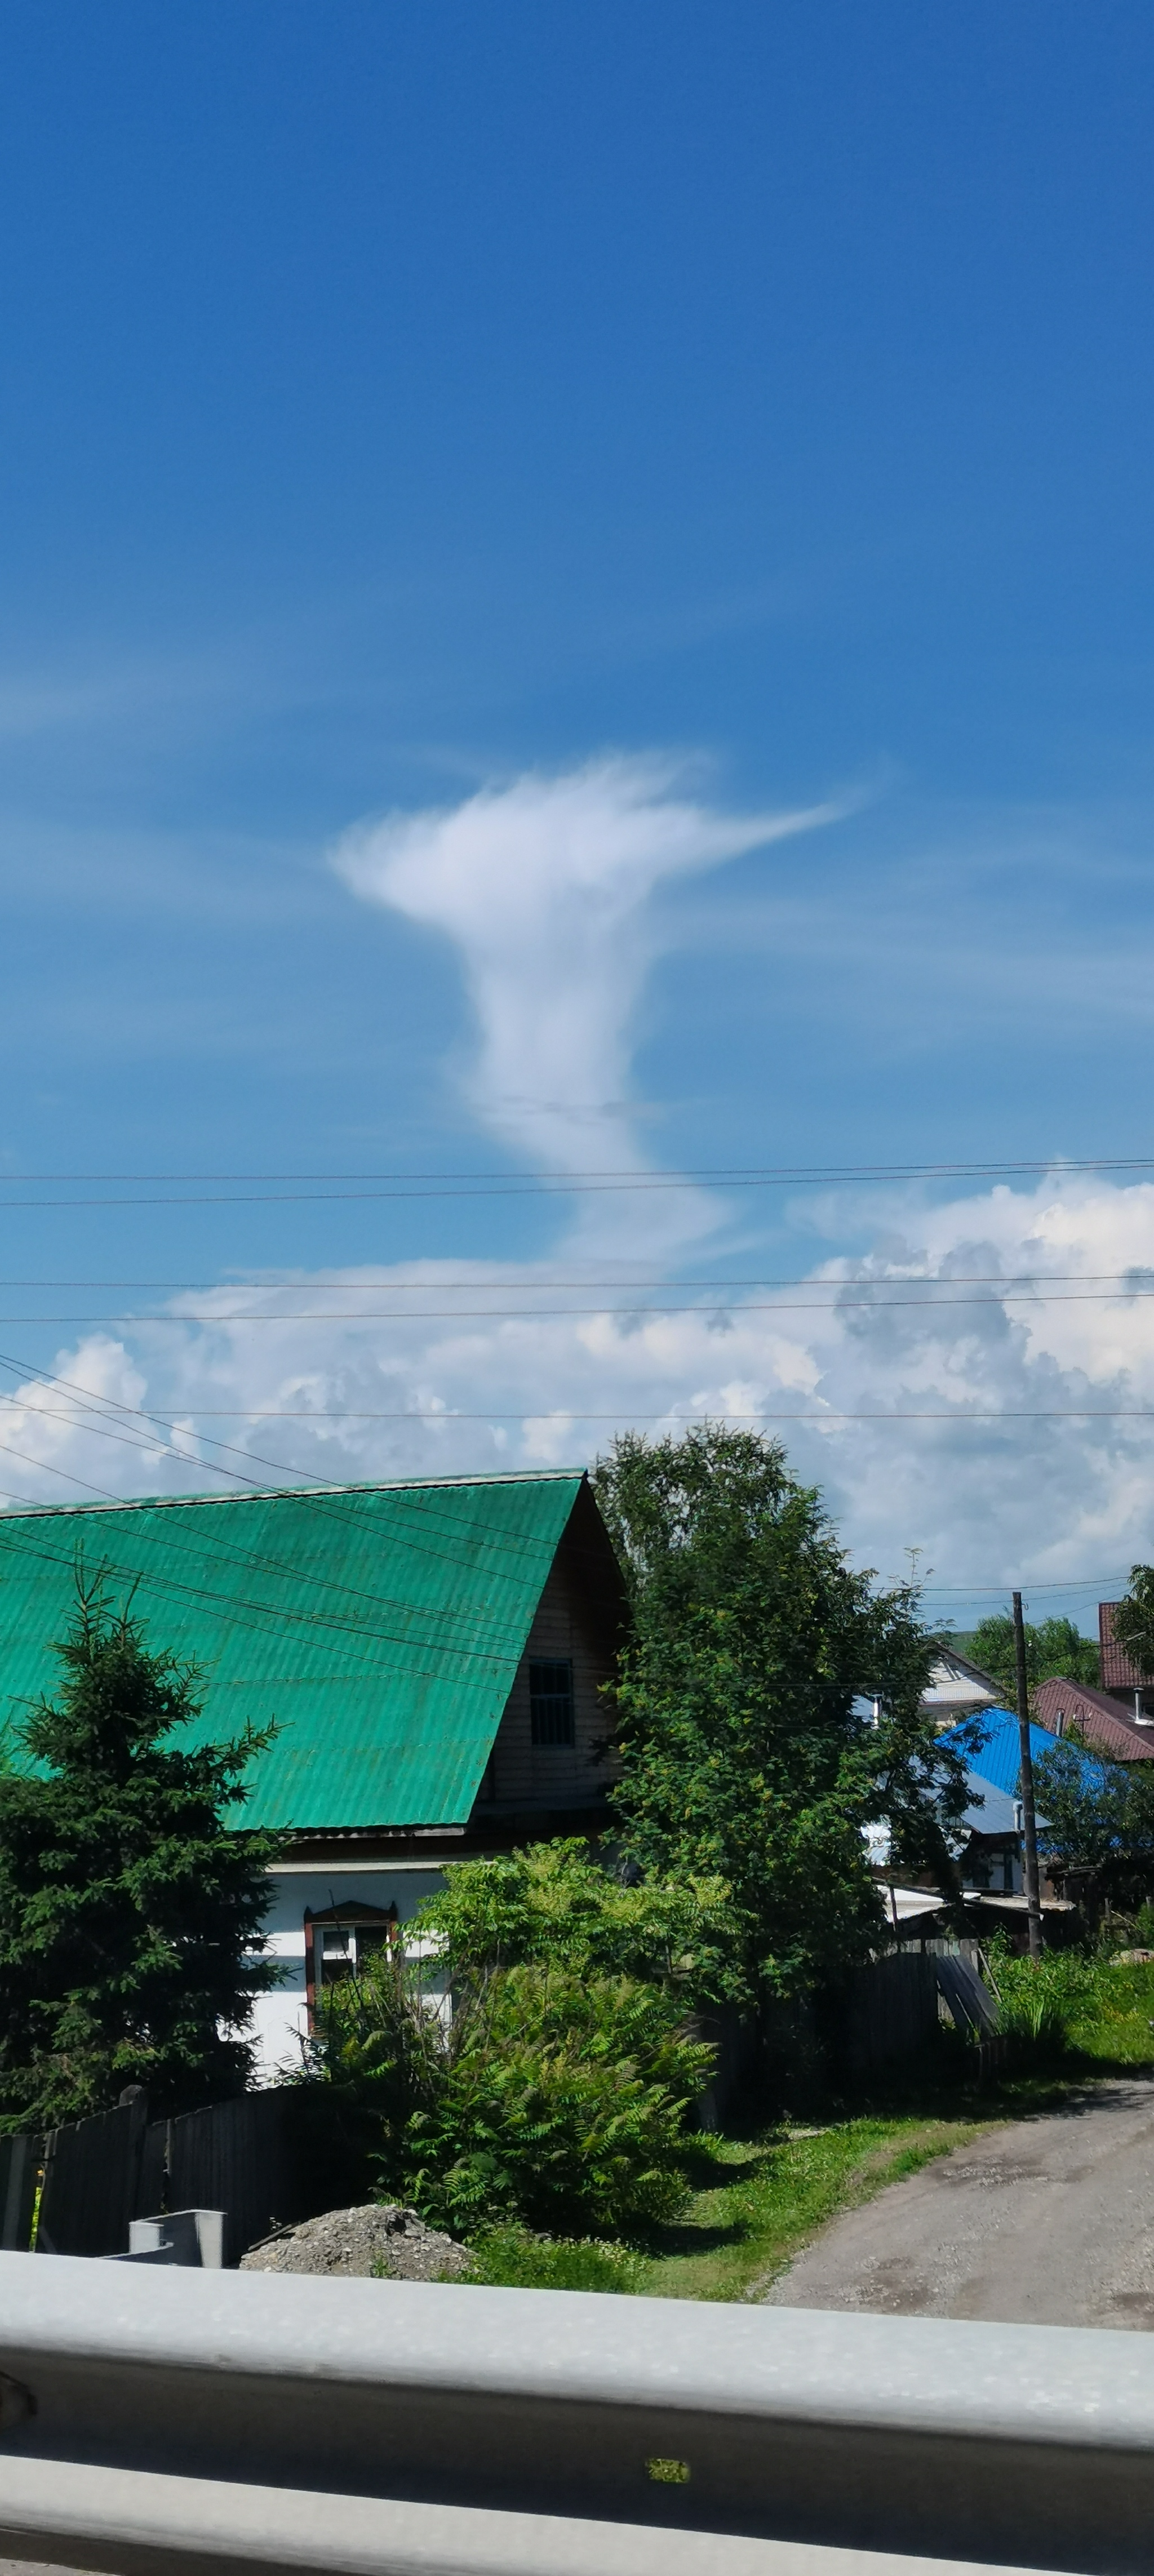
(1029, 1821)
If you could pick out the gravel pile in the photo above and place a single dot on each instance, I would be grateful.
(347, 2243)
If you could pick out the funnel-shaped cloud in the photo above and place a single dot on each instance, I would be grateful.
(543, 885)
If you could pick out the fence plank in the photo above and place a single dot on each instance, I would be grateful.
(19, 2174)
(90, 2181)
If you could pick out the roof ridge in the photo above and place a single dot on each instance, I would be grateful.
(304, 1493)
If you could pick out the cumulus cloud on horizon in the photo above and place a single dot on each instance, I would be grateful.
(486, 1366)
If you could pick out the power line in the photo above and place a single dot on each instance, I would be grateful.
(425, 1185)
(409, 1287)
(833, 1305)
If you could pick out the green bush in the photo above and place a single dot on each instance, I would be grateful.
(548, 2099)
(562, 2103)
(554, 1904)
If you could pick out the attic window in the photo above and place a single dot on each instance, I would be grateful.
(551, 1703)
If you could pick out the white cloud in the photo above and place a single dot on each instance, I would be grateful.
(544, 886)
(1052, 1498)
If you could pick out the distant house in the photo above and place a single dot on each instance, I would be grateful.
(432, 1655)
(1106, 1722)
(991, 1858)
(1121, 1678)
(957, 1688)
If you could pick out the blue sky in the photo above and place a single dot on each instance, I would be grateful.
(580, 440)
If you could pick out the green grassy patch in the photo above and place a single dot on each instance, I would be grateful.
(1080, 2008)
(512, 2258)
(1117, 2026)
(770, 2197)
(758, 2201)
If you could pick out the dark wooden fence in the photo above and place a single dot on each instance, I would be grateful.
(271, 2159)
(91, 2185)
(891, 2010)
(19, 2177)
(267, 2159)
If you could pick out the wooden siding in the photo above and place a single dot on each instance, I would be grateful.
(571, 1624)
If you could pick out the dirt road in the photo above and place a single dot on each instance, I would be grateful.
(1050, 2222)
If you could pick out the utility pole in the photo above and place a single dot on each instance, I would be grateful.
(1029, 1821)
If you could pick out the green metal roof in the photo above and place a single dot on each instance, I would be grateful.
(380, 1626)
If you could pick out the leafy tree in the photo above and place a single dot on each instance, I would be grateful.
(130, 1912)
(1099, 1823)
(554, 1905)
(1055, 1647)
(746, 1751)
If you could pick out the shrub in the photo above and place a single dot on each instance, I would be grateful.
(548, 2099)
(554, 1904)
(562, 2103)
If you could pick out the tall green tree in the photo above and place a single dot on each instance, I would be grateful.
(1054, 1647)
(130, 1909)
(768, 1705)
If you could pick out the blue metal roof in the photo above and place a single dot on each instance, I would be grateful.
(999, 1760)
(991, 1810)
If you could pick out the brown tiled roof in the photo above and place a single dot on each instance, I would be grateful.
(1101, 1720)
(1118, 1673)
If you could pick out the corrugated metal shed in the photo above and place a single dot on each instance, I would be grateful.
(381, 1626)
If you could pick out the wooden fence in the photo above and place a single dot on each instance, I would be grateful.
(267, 2159)
(270, 2159)
(892, 2010)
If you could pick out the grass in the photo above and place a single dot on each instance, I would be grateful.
(1092, 2012)
(767, 2197)
(758, 2199)
(1115, 2025)
(512, 2258)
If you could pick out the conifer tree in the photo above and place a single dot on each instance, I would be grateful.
(130, 1909)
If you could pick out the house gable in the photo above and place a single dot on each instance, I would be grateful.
(577, 1626)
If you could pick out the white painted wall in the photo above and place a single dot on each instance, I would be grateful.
(279, 2019)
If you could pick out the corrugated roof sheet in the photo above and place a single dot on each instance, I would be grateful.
(1000, 1758)
(1104, 1723)
(380, 1626)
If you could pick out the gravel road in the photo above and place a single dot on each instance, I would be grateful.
(1050, 2222)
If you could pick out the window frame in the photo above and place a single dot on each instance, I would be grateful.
(545, 1733)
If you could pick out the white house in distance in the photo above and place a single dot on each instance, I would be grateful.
(432, 1657)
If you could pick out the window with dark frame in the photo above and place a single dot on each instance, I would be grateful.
(342, 1950)
(551, 1703)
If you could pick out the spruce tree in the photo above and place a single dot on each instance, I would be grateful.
(130, 1909)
